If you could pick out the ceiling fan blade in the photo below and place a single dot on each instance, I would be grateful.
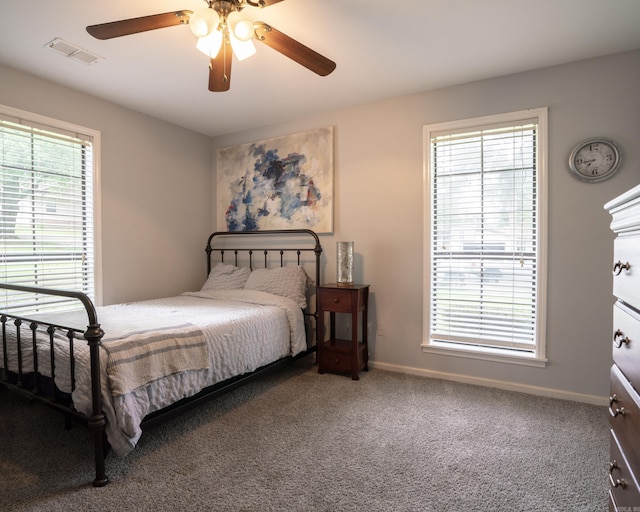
(291, 48)
(136, 25)
(220, 69)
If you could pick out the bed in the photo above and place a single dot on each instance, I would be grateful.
(122, 368)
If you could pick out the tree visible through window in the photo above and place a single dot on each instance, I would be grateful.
(46, 212)
(485, 259)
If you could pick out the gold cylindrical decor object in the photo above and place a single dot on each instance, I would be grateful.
(345, 263)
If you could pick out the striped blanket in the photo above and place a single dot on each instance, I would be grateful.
(141, 357)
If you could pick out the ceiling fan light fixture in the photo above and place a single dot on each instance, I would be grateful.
(210, 45)
(204, 22)
(241, 49)
(216, 27)
(241, 27)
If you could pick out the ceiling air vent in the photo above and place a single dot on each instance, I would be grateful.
(72, 51)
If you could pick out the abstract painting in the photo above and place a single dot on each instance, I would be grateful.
(280, 183)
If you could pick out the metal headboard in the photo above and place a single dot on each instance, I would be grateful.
(263, 251)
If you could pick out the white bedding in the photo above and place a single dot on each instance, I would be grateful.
(243, 330)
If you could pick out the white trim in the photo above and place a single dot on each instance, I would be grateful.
(498, 384)
(543, 195)
(97, 217)
(56, 124)
(484, 353)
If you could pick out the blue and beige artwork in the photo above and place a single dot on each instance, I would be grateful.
(282, 183)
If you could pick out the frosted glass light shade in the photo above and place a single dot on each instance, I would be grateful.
(239, 26)
(241, 49)
(210, 45)
(204, 21)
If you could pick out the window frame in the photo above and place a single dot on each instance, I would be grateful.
(52, 124)
(538, 356)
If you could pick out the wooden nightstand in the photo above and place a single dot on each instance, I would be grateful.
(337, 355)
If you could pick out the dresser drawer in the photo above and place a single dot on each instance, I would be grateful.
(626, 342)
(624, 488)
(626, 282)
(336, 300)
(624, 417)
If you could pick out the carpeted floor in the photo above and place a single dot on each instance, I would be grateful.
(300, 441)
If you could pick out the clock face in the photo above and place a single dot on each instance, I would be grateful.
(594, 159)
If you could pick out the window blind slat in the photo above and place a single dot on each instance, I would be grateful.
(484, 237)
(46, 215)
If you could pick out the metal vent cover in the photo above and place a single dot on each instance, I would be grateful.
(72, 51)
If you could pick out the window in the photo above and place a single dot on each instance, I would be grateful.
(485, 258)
(47, 232)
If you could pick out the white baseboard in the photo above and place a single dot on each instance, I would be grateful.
(509, 386)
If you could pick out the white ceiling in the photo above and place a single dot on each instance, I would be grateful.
(382, 49)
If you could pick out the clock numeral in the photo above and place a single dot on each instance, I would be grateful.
(593, 147)
(594, 172)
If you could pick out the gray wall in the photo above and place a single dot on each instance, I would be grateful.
(157, 207)
(379, 202)
(155, 196)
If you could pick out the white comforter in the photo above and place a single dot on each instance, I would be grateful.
(244, 330)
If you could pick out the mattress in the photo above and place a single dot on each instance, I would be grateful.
(240, 330)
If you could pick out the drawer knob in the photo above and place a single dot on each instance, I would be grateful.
(618, 482)
(618, 267)
(624, 340)
(336, 300)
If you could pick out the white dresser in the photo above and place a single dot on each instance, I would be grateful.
(624, 409)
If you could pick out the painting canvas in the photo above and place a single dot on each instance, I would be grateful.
(280, 183)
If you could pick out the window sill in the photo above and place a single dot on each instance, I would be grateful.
(485, 354)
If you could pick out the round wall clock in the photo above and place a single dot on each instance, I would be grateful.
(594, 159)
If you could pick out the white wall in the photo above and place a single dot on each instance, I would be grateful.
(379, 199)
(155, 178)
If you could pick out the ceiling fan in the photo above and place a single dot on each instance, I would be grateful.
(222, 30)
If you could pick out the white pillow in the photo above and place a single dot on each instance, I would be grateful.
(227, 277)
(290, 282)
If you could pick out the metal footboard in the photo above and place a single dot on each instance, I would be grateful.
(28, 382)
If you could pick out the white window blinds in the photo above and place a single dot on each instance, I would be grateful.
(46, 213)
(484, 263)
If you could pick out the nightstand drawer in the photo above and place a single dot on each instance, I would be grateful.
(335, 356)
(335, 300)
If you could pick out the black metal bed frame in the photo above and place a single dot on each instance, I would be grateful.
(29, 382)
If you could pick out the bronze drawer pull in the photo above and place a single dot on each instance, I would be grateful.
(618, 333)
(615, 412)
(618, 481)
(619, 267)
